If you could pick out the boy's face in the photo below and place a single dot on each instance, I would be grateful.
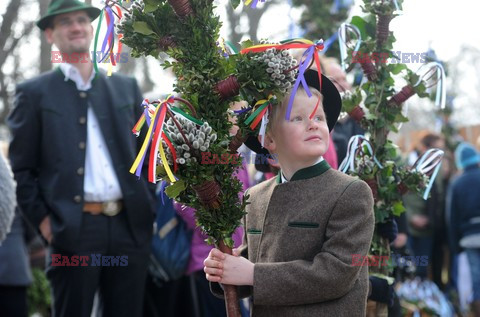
(300, 141)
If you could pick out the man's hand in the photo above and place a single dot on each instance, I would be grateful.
(419, 221)
(46, 229)
(400, 241)
(228, 269)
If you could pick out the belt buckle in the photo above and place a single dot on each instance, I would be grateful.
(111, 208)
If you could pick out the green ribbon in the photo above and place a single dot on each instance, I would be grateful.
(255, 114)
(186, 115)
(99, 25)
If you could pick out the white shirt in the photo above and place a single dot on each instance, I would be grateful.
(284, 180)
(100, 181)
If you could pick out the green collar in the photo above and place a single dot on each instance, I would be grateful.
(307, 172)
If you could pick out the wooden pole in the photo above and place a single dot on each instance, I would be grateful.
(231, 296)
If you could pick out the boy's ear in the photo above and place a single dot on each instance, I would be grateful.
(269, 143)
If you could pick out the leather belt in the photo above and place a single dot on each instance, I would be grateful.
(107, 208)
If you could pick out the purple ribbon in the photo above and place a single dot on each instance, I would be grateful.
(301, 79)
(108, 35)
(163, 184)
(242, 110)
(146, 112)
(138, 172)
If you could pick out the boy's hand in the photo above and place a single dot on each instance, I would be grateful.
(228, 269)
(214, 265)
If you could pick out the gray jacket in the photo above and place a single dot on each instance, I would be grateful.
(302, 235)
(14, 264)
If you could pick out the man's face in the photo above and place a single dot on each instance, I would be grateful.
(338, 77)
(299, 141)
(71, 32)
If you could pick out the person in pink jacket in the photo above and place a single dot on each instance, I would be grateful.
(209, 305)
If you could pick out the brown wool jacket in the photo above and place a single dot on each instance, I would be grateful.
(301, 235)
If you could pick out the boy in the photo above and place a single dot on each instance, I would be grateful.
(302, 227)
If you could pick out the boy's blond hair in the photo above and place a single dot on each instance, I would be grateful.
(278, 110)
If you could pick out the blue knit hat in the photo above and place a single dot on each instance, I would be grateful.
(466, 155)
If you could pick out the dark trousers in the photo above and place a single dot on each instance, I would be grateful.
(169, 299)
(13, 301)
(210, 305)
(422, 246)
(120, 288)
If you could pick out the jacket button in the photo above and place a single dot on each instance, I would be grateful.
(77, 198)
(82, 94)
(82, 120)
(80, 171)
(82, 145)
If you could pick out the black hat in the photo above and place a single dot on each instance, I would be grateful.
(332, 105)
(57, 7)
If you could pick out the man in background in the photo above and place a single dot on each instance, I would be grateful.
(70, 153)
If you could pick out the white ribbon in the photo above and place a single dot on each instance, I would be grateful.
(356, 143)
(430, 160)
(263, 126)
(342, 41)
(397, 7)
(429, 69)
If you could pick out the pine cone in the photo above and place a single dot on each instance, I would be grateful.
(372, 183)
(182, 8)
(236, 142)
(208, 193)
(228, 87)
(369, 70)
(357, 113)
(383, 31)
(166, 42)
(401, 96)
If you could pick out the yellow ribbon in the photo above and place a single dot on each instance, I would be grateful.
(143, 149)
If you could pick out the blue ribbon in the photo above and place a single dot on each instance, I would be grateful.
(108, 35)
(301, 79)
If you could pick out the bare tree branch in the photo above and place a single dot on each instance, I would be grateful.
(4, 97)
(14, 42)
(8, 19)
(9, 48)
(254, 17)
(45, 47)
(233, 20)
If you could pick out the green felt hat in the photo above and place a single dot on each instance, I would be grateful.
(57, 7)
